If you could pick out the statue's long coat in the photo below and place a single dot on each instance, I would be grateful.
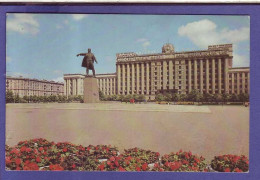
(88, 61)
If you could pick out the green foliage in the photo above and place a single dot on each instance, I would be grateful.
(9, 97)
(160, 97)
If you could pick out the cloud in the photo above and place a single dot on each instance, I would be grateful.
(58, 79)
(18, 74)
(204, 32)
(79, 17)
(23, 24)
(58, 72)
(8, 59)
(240, 60)
(145, 42)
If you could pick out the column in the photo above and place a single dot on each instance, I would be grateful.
(170, 75)
(101, 84)
(243, 82)
(137, 79)
(107, 85)
(201, 76)
(207, 75)
(69, 86)
(233, 83)
(226, 76)
(189, 75)
(147, 79)
(219, 76)
(111, 86)
(195, 75)
(127, 79)
(65, 87)
(118, 79)
(123, 78)
(164, 74)
(238, 83)
(142, 78)
(104, 86)
(213, 76)
(133, 78)
(248, 82)
(74, 86)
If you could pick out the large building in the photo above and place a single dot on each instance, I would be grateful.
(29, 87)
(209, 71)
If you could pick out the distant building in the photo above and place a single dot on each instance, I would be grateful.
(209, 71)
(73, 83)
(29, 87)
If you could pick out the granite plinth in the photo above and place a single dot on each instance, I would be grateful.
(91, 92)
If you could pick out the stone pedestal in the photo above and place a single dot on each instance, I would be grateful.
(91, 93)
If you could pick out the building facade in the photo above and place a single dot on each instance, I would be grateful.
(29, 87)
(73, 84)
(209, 71)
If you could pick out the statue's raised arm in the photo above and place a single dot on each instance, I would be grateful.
(81, 54)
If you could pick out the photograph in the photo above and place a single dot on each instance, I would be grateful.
(127, 92)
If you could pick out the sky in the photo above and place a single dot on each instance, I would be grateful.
(44, 46)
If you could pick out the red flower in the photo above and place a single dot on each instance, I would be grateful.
(38, 159)
(56, 167)
(23, 149)
(138, 168)
(237, 170)
(65, 149)
(73, 166)
(41, 149)
(28, 149)
(227, 170)
(15, 151)
(18, 161)
(101, 167)
(8, 160)
(112, 158)
(31, 166)
(144, 166)
(129, 158)
(157, 154)
(121, 169)
(116, 163)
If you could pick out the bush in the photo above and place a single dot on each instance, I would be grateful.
(230, 163)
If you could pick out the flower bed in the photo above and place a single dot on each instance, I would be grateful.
(40, 154)
(183, 161)
(230, 163)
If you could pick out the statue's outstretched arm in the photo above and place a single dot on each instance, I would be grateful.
(81, 54)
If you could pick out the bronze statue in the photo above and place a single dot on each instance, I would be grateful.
(88, 61)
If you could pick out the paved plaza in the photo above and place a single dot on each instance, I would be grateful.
(204, 130)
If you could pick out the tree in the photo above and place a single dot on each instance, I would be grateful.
(243, 97)
(175, 97)
(160, 97)
(9, 97)
(101, 96)
(141, 98)
(168, 97)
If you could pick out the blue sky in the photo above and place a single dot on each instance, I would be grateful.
(44, 46)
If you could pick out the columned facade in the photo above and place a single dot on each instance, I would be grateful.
(207, 71)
